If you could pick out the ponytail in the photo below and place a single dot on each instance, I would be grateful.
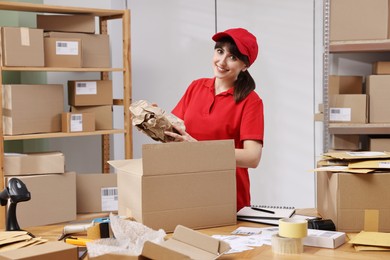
(243, 86)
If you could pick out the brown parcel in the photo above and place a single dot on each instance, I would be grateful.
(358, 20)
(63, 52)
(25, 115)
(191, 184)
(53, 199)
(379, 144)
(95, 48)
(22, 46)
(103, 115)
(34, 163)
(57, 250)
(381, 68)
(96, 192)
(67, 23)
(90, 92)
(78, 122)
(377, 88)
(345, 85)
(348, 108)
(184, 244)
(354, 202)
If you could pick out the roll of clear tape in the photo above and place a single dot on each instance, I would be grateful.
(286, 245)
(292, 228)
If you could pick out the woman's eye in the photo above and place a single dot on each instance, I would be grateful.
(220, 51)
(234, 58)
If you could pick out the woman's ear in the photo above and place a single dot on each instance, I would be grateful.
(244, 69)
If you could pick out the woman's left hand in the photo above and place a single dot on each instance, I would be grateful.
(182, 136)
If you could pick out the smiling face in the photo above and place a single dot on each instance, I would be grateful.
(226, 65)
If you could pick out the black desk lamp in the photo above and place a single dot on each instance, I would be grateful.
(15, 192)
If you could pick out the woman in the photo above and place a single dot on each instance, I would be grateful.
(226, 106)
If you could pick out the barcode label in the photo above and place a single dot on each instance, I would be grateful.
(76, 122)
(67, 48)
(340, 114)
(109, 197)
(86, 88)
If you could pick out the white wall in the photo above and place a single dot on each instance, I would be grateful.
(171, 45)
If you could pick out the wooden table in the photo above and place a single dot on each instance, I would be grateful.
(346, 251)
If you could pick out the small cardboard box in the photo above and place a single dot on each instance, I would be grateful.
(381, 68)
(47, 251)
(78, 122)
(348, 108)
(67, 23)
(63, 52)
(96, 192)
(31, 109)
(354, 201)
(345, 85)
(358, 20)
(103, 115)
(95, 48)
(184, 244)
(22, 46)
(33, 163)
(90, 92)
(379, 144)
(190, 183)
(53, 199)
(378, 89)
(346, 142)
(324, 238)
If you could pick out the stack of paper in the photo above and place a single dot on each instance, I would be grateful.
(10, 240)
(354, 162)
(371, 241)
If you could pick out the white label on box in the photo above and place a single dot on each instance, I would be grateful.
(367, 154)
(109, 198)
(25, 36)
(340, 114)
(86, 88)
(384, 165)
(76, 122)
(67, 48)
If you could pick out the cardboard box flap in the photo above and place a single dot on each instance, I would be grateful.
(188, 157)
(187, 244)
(133, 165)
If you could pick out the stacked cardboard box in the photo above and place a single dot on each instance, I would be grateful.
(92, 96)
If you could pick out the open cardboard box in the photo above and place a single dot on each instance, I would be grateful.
(184, 244)
(190, 183)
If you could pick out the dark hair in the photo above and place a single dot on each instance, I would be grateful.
(244, 83)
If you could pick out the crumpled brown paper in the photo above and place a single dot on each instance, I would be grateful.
(153, 121)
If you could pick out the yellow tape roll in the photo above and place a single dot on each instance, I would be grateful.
(292, 228)
(285, 245)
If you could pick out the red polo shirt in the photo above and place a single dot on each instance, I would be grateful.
(217, 117)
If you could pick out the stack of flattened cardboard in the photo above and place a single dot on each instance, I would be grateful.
(10, 240)
(352, 190)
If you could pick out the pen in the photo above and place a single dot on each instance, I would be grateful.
(263, 210)
(77, 241)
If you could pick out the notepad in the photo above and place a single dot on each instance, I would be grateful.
(278, 212)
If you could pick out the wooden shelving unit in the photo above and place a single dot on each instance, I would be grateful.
(360, 46)
(104, 15)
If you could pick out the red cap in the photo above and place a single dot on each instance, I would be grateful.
(245, 41)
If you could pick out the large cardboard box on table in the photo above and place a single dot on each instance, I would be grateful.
(191, 184)
(53, 199)
(378, 89)
(103, 115)
(96, 192)
(22, 46)
(352, 20)
(33, 163)
(29, 109)
(90, 92)
(95, 48)
(355, 202)
(348, 108)
(67, 23)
